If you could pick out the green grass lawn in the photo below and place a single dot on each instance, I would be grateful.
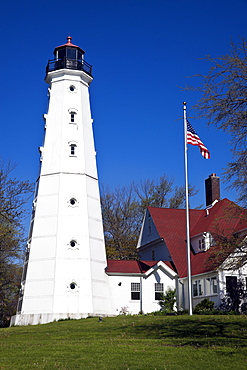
(128, 342)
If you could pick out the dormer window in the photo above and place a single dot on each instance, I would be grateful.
(201, 244)
(210, 240)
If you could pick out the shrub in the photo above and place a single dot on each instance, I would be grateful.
(168, 300)
(183, 312)
(234, 299)
(204, 307)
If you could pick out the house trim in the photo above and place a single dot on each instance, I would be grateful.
(202, 274)
(154, 243)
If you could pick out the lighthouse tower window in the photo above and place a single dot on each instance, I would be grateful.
(73, 243)
(72, 201)
(72, 285)
(72, 117)
(72, 149)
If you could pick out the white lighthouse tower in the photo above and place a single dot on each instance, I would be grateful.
(64, 272)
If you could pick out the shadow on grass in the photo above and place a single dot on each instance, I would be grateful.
(199, 332)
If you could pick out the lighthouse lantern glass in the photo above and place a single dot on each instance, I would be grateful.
(71, 53)
(61, 54)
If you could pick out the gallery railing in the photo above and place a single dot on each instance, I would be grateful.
(67, 63)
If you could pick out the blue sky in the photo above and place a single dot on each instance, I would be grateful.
(141, 52)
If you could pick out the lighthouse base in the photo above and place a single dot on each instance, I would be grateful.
(45, 318)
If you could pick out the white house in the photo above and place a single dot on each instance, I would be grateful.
(163, 237)
(136, 286)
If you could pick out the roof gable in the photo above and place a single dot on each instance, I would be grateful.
(149, 231)
(171, 226)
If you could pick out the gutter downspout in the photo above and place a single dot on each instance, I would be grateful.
(140, 294)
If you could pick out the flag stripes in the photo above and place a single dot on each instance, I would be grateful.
(193, 139)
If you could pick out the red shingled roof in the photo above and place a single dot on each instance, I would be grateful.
(131, 267)
(171, 226)
(224, 215)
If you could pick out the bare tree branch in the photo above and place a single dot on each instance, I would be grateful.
(224, 104)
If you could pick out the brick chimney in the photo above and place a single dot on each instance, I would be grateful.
(212, 187)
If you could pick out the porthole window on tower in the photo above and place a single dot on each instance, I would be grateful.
(72, 243)
(72, 88)
(72, 201)
(72, 286)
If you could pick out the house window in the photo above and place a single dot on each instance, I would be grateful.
(159, 290)
(201, 244)
(149, 225)
(231, 283)
(214, 285)
(211, 285)
(197, 288)
(211, 240)
(135, 291)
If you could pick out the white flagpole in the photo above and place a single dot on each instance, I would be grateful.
(187, 211)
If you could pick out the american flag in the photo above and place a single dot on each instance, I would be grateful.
(193, 138)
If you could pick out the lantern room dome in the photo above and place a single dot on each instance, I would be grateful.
(68, 44)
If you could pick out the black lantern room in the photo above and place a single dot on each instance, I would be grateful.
(69, 56)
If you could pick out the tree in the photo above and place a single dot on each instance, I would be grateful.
(123, 210)
(13, 196)
(230, 246)
(178, 199)
(151, 193)
(121, 221)
(9, 292)
(224, 104)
